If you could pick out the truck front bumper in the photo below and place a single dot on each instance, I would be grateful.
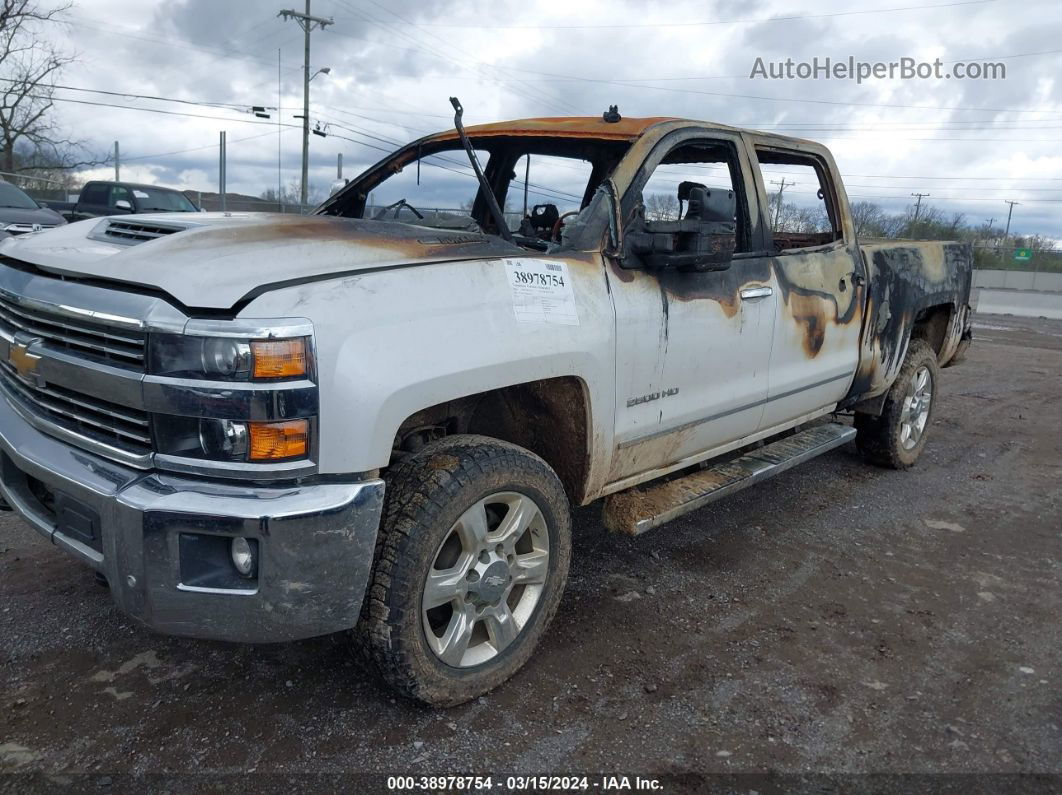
(164, 542)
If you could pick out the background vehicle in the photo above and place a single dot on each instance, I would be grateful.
(98, 198)
(264, 427)
(19, 213)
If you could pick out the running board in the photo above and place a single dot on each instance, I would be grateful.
(639, 509)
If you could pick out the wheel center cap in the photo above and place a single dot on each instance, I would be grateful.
(493, 582)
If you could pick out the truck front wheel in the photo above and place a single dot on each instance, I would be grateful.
(896, 438)
(471, 562)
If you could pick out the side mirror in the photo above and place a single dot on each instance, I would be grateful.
(714, 251)
(667, 244)
(703, 241)
(122, 204)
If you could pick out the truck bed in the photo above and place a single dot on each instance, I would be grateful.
(908, 281)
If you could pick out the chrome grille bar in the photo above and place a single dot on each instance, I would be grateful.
(124, 347)
(121, 426)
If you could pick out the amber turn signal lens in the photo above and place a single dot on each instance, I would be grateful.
(274, 440)
(279, 358)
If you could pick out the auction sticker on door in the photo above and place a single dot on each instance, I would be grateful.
(542, 292)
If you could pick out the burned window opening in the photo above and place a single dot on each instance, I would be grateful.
(689, 211)
(812, 219)
(504, 164)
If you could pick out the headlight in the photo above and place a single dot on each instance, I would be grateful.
(232, 440)
(224, 440)
(227, 359)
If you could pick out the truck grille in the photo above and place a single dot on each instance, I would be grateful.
(112, 424)
(117, 347)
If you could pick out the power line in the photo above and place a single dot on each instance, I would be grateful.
(203, 103)
(194, 148)
(393, 143)
(152, 110)
(796, 127)
(252, 121)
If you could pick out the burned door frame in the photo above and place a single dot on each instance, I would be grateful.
(691, 354)
(821, 298)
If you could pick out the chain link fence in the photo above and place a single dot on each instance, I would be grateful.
(1014, 257)
(39, 188)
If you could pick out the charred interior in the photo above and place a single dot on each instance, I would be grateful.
(531, 178)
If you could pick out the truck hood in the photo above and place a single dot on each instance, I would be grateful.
(213, 260)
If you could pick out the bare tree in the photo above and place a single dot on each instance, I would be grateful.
(661, 207)
(791, 217)
(29, 65)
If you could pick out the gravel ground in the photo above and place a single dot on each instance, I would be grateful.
(839, 619)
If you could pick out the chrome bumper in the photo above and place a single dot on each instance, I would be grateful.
(315, 543)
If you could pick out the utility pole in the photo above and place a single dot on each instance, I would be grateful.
(307, 22)
(339, 167)
(1010, 211)
(280, 102)
(116, 177)
(221, 170)
(918, 206)
(778, 204)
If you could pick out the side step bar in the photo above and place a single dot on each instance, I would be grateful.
(639, 509)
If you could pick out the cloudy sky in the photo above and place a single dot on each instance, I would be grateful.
(970, 144)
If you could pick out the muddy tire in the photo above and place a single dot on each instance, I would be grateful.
(471, 561)
(896, 438)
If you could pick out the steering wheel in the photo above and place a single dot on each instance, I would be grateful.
(555, 234)
(397, 207)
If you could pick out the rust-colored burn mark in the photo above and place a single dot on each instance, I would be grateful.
(622, 511)
(809, 313)
(723, 287)
(404, 239)
(626, 129)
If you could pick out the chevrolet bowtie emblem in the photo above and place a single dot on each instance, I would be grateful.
(24, 362)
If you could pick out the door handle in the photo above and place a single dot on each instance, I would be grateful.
(756, 293)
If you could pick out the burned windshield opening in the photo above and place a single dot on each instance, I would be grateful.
(542, 184)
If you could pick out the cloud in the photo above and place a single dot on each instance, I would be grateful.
(390, 81)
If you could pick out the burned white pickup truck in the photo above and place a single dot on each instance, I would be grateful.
(262, 427)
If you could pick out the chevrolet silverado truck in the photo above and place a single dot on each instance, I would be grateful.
(376, 418)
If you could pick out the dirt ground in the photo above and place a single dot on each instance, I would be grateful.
(839, 619)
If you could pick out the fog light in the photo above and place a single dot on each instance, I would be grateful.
(242, 556)
(278, 440)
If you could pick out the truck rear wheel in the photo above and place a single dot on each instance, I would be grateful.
(471, 561)
(896, 438)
